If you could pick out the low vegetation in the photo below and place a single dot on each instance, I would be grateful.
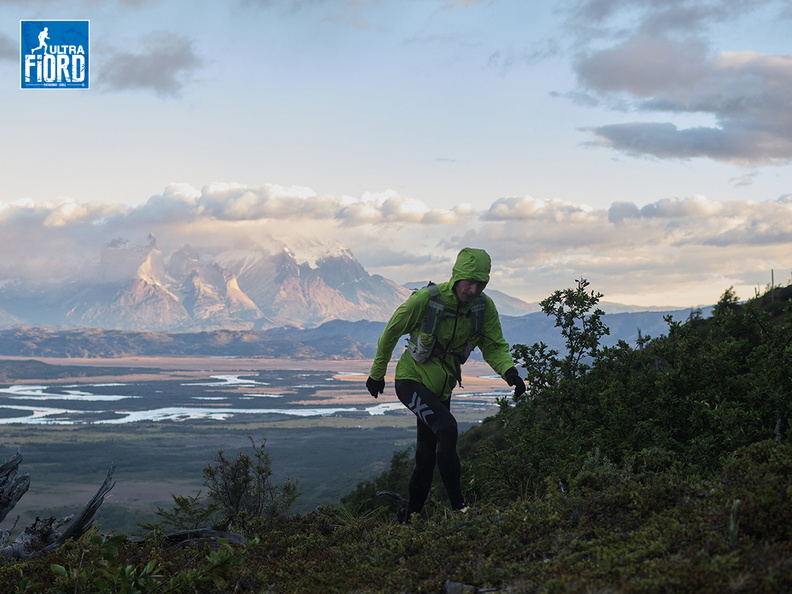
(32, 369)
(656, 467)
(288, 342)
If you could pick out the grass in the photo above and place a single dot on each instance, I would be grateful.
(154, 460)
(643, 532)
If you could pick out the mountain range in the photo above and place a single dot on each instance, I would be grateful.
(333, 340)
(252, 287)
(258, 300)
(136, 287)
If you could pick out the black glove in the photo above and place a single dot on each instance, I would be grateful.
(513, 378)
(377, 387)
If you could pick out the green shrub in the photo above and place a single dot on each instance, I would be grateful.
(660, 467)
(242, 488)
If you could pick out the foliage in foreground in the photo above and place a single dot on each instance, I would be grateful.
(664, 467)
(240, 492)
(691, 398)
(614, 529)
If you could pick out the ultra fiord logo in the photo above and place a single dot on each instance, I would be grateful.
(54, 54)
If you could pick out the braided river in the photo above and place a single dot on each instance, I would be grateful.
(270, 393)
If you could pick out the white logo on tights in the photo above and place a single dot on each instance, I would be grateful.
(419, 408)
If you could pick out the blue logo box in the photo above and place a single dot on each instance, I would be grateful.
(54, 54)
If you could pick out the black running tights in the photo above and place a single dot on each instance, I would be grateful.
(436, 444)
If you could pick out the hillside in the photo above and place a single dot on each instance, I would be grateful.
(320, 343)
(659, 467)
(335, 339)
(11, 371)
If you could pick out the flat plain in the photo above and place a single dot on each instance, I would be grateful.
(328, 454)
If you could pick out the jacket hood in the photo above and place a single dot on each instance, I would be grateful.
(471, 264)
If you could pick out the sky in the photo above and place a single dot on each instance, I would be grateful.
(643, 145)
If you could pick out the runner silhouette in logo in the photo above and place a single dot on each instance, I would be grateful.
(43, 36)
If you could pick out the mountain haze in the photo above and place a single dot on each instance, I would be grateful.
(258, 286)
(138, 287)
(336, 339)
(300, 294)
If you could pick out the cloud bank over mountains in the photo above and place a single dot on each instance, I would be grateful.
(677, 251)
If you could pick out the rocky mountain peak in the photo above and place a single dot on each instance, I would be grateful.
(253, 285)
(122, 260)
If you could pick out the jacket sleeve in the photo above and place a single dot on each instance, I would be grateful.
(493, 346)
(407, 318)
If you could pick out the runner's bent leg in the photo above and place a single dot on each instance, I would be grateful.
(423, 471)
(435, 415)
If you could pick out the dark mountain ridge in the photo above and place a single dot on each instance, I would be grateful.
(335, 339)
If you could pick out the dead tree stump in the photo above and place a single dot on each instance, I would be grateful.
(42, 536)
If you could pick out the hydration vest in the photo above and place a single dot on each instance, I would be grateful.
(422, 351)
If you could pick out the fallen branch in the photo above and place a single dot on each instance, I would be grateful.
(12, 488)
(43, 536)
(49, 534)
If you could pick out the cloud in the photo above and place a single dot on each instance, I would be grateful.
(591, 19)
(223, 201)
(164, 65)
(696, 206)
(403, 209)
(644, 66)
(619, 211)
(666, 141)
(236, 202)
(750, 96)
(9, 49)
(672, 250)
(522, 208)
(683, 251)
(746, 179)
(665, 67)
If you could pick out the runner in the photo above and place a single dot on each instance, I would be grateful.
(445, 322)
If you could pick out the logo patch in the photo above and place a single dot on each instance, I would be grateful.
(54, 54)
(419, 408)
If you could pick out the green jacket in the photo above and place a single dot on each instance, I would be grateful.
(438, 373)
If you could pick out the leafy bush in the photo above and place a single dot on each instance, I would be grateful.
(240, 492)
(706, 389)
(242, 488)
(664, 466)
(101, 567)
